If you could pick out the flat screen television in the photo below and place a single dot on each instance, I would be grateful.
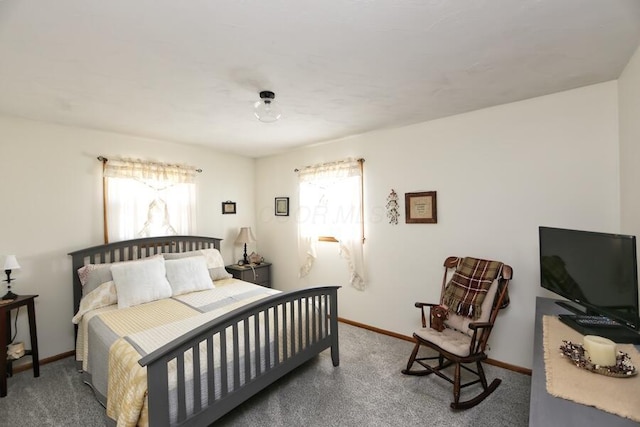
(598, 271)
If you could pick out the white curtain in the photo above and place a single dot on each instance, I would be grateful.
(330, 198)
(147, 199)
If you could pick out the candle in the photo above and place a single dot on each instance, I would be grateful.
(601, 351)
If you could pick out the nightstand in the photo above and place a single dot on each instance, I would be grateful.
(260, 274)
(5, 336)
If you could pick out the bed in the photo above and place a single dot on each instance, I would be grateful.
(189, 357)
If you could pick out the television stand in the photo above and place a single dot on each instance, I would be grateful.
(547, 410)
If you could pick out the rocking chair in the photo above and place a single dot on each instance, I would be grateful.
(463, 340)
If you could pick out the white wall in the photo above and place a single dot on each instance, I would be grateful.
(499, 172)
(629, 102)
(52, 205)
(629, 106)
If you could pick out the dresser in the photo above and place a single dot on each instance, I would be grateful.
(546, 410)
(260, 274)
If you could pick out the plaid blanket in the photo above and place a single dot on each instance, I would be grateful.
(469, 285)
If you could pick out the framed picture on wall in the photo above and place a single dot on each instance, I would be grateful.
(421, 208)
(228, 207)
(282, 206)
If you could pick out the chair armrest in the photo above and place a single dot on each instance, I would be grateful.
(476, 325)
(425, 304)
(478, 342)
(421, 306)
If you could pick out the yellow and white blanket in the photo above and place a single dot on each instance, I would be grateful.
(131, 333)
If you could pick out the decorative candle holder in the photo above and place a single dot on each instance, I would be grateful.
(623, 368)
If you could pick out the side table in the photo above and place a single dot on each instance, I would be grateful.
(260, 274)
(5, 337)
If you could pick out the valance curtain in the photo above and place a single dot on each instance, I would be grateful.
(155, 175)
(146, 199)
(330, 198)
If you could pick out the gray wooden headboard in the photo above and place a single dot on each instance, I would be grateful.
(128, 250)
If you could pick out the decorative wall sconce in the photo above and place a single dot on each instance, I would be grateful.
(392, 207)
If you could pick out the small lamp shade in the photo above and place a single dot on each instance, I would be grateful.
(11, 263)
(245, 236)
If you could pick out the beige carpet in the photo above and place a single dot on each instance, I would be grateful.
(618, 396)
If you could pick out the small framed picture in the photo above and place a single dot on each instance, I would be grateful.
(421, 207)
(228, 207)
(282, 206)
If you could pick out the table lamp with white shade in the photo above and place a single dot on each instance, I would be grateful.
(245, 236)
(10, 263)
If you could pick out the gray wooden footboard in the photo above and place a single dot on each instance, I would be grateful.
(303, 323)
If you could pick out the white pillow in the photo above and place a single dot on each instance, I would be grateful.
(94, 275)
(188, 275)
(215, 262)
(142, 281)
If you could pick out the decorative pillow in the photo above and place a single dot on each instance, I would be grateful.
(141, 281)
(215, 263)
(188, 275)
(102, 296)
(94, 275)
(83, 272)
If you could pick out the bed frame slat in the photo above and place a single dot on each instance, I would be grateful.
(211, 378)
(197, 389)
(285, 334)
(224, 387)
(267, 336)
(236, 358)
(247, 351)
(182, 400)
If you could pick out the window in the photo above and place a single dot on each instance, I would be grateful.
(331, 208)
(148, 199)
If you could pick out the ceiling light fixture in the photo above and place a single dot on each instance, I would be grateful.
(267, 110)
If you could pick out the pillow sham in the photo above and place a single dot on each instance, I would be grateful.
(188, 275)
(93, 275)
(83, 272)
(219, 273)
(215, 263)
(141, 281)
(102, 296)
